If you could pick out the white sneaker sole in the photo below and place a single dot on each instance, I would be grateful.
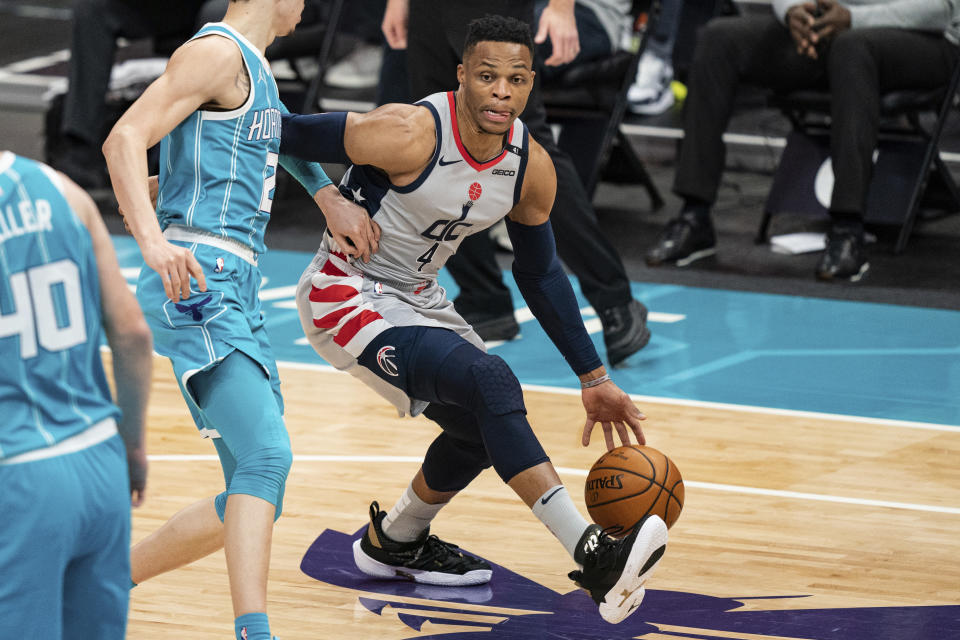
(696, 255)
(658, 106)
(377, 569)
(625, 596)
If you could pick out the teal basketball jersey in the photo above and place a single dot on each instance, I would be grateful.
(218, 168)
(52, 382)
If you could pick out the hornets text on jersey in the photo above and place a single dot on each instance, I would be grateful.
(234, 202)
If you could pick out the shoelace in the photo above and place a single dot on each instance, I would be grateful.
(606, 544)
(436, 549)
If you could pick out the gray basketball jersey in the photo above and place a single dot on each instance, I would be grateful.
(456, 195)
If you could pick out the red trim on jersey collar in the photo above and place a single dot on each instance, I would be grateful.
(479, 166)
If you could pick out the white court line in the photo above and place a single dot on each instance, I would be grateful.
(722, 406)
(710, 486)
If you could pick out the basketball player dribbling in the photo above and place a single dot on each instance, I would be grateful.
(429, 174)
(217, 111)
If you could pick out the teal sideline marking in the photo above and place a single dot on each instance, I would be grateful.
(784, 352)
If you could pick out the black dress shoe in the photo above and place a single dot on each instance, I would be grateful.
(844, 258)
(624, 330)
(686, 238)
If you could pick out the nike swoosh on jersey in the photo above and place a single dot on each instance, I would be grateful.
(445, 163)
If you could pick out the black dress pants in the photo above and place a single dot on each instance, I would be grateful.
(437, 30)
(856, 66)
(96, 26)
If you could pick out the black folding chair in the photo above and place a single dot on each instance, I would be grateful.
(909, 173)
(594, 94)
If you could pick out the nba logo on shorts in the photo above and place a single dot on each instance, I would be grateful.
(219, 267)
(385, 360)
(243, 633)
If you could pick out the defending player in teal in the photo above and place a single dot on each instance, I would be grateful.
(217, 114)
(65, 487)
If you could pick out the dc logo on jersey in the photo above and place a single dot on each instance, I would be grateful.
(474, 191)
(385, 360)
(444, 230)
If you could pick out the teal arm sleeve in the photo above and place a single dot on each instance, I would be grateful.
(310, 174)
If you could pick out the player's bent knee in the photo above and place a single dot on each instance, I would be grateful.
(496, 387)
(263, 473)
(451, 463)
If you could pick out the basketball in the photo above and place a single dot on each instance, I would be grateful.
(628, 483)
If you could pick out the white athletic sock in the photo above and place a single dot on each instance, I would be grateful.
(556, 510)
(409, 517)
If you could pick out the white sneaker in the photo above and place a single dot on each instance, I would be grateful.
(650, 94)
(358, 70)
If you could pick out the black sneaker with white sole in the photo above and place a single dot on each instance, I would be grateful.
(427, 560)
(614, 571)
(844, 257)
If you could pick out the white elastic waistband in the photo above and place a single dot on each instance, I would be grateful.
(181, 233)
(96, 434)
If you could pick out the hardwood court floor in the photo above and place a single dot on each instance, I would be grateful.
(728, 543)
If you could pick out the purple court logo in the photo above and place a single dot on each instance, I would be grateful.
(516, 608)
(385, 359)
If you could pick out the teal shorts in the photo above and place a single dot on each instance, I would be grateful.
(65, 545)
(199, 332)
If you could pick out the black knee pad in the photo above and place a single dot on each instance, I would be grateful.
(497, 388)
(451, 464)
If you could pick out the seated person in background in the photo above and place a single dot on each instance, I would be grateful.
(600, 23)
(857, 50)
(96, 26)
(651, 93)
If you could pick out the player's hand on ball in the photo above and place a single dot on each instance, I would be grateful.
(607, 404)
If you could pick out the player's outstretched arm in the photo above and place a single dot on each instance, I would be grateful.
(129, 338)
(348, 223)
(548, 293)
(396, 138)
(203, 72)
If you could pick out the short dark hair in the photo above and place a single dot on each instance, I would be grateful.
(493, 28)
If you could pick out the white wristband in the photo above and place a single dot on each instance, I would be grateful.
(594, 382)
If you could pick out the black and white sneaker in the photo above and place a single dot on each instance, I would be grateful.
(844, 257)
(614, 571)
(427, 560)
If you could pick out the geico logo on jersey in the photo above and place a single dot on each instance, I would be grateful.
(504, 172)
